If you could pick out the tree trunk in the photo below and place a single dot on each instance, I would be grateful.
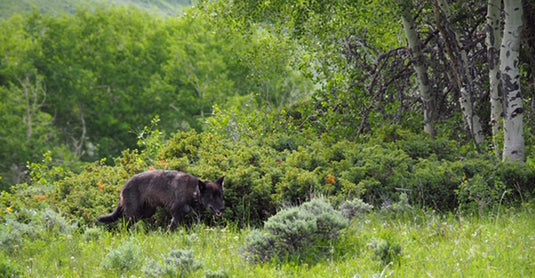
(426, 92)
(493, 41)
(34, 97)
(513, 149)
(460, 69)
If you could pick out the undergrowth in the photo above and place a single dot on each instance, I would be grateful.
(262, 175)
(385, 243)
(409, 207)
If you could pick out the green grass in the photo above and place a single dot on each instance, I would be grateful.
(432, 245)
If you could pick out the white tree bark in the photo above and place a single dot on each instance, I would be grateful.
(493, 40)
(514, 149)
(459, 60)
(419, 66)
(34, 97)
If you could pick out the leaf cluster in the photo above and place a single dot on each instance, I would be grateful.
(82, 83)
(296, 232)
(275, 171)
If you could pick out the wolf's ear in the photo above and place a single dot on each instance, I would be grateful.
(220, 181)
(202, 185)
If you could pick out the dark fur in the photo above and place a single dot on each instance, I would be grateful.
(175, 191)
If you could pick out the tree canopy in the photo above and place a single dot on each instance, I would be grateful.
(85, 84)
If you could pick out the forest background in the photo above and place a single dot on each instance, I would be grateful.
(423, 110)
(92, 82)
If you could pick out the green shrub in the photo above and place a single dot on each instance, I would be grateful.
(92, 234)
(260, 246)
(293, 228)
(215, 274)
(269, 172)
(178, 263)
(402, 205)
(353, 208)
(329, 222)
(153, 268)
(11, 236)
(519, 179)
(385, 170)
(181, 262)
(94, 192)
(297, 186)
(478, 192)
(385, 250)
(422, 146)
(433, 183)
(31, 223)
(8, 268)
(487, 183)
(33, 195)
(125, 257)
(303, 232)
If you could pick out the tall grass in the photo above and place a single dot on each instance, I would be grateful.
(429, 245)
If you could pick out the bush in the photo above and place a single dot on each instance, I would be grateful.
(303, 232)
(33, 224)
(181, 262)
(519, 179)
(385, 250)
(269, 172)
(215, 274)
(178, 263)
(123, 258)
(402, 205)
(94, 192)
(479, 193)
(92, 234)
(329, 222)
(353, 208)
(260, 246)
(433, 183)
(9, 268)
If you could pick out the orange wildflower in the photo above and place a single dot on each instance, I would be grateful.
(100, 186)
(151, 168)
(330, 179)
(40, 197)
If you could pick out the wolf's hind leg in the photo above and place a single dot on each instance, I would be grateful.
(132, 211)
(147, 211)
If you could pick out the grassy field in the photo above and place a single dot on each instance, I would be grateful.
(428, 245)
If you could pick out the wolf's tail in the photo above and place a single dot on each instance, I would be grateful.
(112, 217)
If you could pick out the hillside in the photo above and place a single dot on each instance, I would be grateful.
(53, 7)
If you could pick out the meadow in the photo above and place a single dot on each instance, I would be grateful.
(340, 229)
(428, 244)
(293, 102)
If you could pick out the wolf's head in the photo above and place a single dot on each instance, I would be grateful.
(212, 195)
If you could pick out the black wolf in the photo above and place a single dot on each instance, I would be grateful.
(175, 191)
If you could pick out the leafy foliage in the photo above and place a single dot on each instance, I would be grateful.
(85, 81)
(178, 263)
(263, 175)
(58, 7)
(123, 258)
(353, 208)
(296, 232)
(304, 106)
(385, 251)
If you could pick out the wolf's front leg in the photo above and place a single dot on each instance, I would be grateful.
(178, 214)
